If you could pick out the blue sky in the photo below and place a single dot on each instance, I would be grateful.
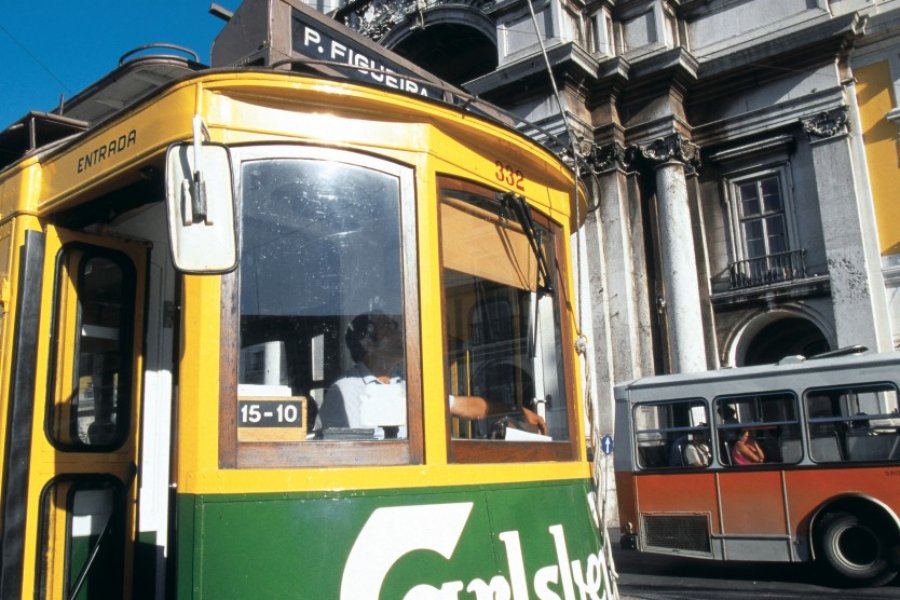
(53, 47)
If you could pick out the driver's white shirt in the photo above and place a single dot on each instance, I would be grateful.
(354, 398)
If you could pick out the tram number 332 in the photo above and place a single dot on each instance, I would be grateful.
(270, 414)
(509, 175)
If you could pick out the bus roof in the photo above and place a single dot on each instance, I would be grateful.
(763, 375)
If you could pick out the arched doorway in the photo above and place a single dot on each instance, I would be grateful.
(473, 54)
(457, 44)
(784, 337)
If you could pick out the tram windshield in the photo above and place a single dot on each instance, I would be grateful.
(321, 310)
(323, 323)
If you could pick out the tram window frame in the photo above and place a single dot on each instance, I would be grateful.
(673, 439)
(324, 452)
(462, 450)
(786, 440)
(68, 335)
(48, 531)
(860, 437)
(6, 241)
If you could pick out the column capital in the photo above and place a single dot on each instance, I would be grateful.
(609, 157)
(827, 123)
(673, 148)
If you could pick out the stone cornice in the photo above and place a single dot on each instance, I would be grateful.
(677, 60)
(827, 35)
(782, 116)
(568, 57)
(770, 144)
(807, 287)
(685, 6)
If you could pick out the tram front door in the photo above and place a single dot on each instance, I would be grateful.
(76, 502)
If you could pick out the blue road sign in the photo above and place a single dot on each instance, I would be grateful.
(606, 444)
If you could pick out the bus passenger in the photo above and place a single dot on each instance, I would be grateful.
(376, 345)
(746, 450)
(676, 451)
(696, 453)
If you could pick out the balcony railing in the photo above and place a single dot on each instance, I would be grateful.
(769, 269)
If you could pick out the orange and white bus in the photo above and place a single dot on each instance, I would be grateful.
(826, 487)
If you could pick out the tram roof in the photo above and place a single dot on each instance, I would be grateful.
(132, 81)
(146, 70)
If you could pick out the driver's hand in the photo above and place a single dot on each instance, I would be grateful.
(532, 418)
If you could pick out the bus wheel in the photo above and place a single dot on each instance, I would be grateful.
(854, 550)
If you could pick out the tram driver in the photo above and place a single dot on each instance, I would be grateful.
(376, 379)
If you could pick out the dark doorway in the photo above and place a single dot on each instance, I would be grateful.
(785, 337)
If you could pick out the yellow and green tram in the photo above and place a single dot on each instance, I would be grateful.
(182, 286)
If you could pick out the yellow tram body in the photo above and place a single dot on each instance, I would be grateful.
(66, 191)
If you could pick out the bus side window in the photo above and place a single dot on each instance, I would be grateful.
(771, 419)
(855, 424)
(672, 434)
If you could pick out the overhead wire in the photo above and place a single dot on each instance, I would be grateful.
(602, 487)
(35, 59)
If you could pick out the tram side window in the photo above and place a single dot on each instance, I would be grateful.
(503, 333)
(322, 331)
(672, 434)
(92, 348)
(854, 423)
(769, 422)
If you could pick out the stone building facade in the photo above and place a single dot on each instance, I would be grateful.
(736, 220)
(742, 157)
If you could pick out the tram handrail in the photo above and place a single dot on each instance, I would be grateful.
(159, 45)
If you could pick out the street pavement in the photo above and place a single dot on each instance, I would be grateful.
(660, 577)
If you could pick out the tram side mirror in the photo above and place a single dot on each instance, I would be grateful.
(200, 208)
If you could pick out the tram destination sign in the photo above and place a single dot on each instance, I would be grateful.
(312, 38)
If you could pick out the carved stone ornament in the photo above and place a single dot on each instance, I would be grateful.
(827, 123)
(673, 148)
(374, 19)
(610, 156)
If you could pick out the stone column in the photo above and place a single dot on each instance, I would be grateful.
(619, 223)
(672, 156)
(849, 231)
(617, 294)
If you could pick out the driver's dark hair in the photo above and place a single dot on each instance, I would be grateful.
(360, 328)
